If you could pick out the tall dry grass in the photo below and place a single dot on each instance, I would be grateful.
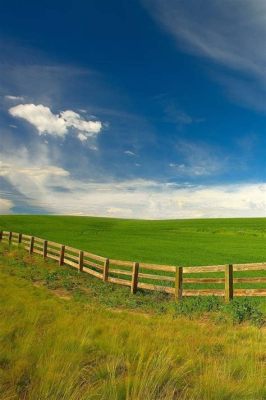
(52, 348)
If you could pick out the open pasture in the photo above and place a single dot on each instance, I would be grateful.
(208, 283)
(173, 242)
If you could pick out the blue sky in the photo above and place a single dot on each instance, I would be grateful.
(139, 109)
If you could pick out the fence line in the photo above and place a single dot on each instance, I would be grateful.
(163, 278)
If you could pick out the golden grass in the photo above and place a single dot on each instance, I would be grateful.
(53, 349)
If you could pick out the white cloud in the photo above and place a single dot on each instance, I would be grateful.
(14, 98)
(52, 188)
(6, 206)
(73, 119)
(46, 122)
(223, 31)
(230, 33)
(129, 153)
(82, 137)
(36, 172)
(41, 117)
(198, 160)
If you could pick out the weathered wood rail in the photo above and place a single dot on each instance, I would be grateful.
(138, 275)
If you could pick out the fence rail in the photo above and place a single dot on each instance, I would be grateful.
(163, 278)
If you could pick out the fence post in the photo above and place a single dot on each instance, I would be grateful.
(135, 273)
(81, 261)
(1, 235)
(178, 283)
(228, 283)
(19, 237)
(31, 244)
(45, 248)
(10, 237)
(106, 270)
(62, 255)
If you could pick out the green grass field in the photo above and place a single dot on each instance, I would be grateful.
(177, 242)
(68, 336)
(65, 335)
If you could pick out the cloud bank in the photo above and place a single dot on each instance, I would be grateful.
(51, 188)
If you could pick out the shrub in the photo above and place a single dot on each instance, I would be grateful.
(245, 310)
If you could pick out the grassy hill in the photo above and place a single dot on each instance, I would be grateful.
(182, 242)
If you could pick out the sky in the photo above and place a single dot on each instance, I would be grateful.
(147, 109)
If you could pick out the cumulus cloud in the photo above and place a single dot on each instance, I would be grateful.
(42, 118)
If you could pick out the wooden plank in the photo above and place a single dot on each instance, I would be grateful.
(62, 255)
(106, 270)
(72, 263)
(93, 256)
(119, 281)
(157, 277)
(25, 239)
(92, 264)
(37, 239)
(250, 280)
(15, 234)
(202, 292)
(120, 263)
(92, 272)
(38, 245)
(26, 236)
(250, 267)
(134, 282)
(155, 267)
(80, 261)
(178, 283)
(149, 286)
(72, 249)
(250, 292)
(45, 247)
(50, 255)
(203, 280)
(37, 251)
(53, 250)
(211, 268)
(71, 256)
(50, 243)
(31, 244)
(228, 283)
(120, 272)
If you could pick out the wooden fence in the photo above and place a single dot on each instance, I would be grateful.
(163, 278)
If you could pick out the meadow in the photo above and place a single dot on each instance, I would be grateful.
(68, 336)
(174, 242)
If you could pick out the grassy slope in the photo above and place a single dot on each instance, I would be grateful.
(52, 348)
(185, 242)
